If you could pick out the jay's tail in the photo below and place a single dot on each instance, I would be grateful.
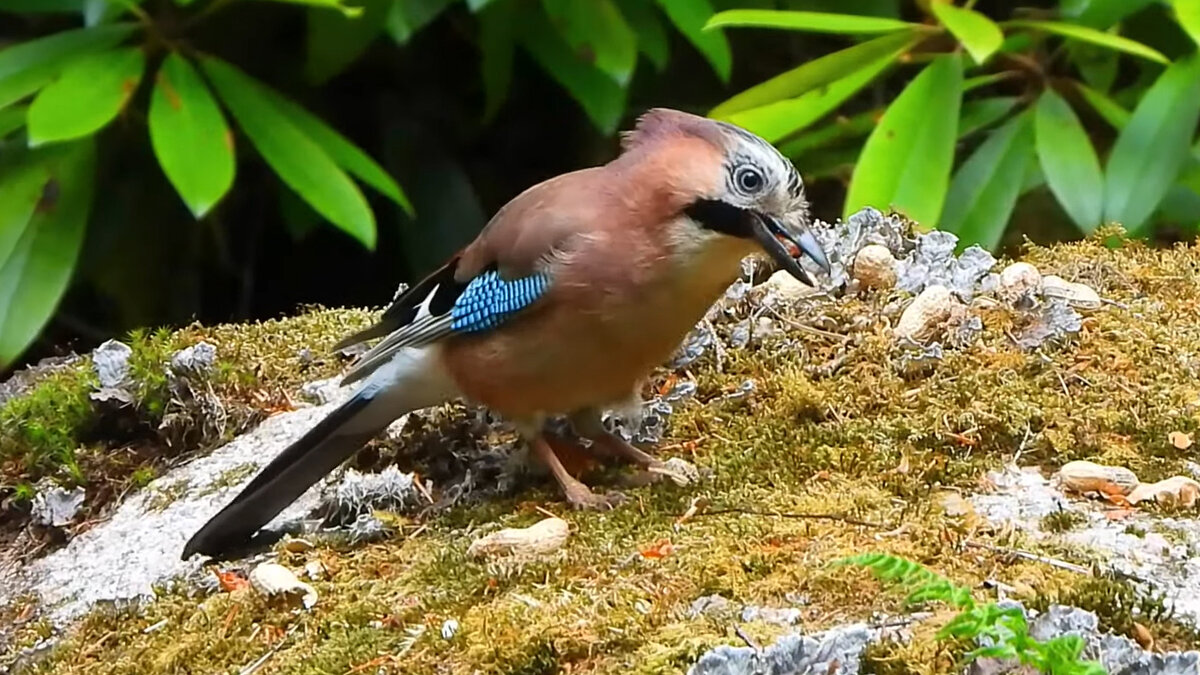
(409, 382)
(289, 475)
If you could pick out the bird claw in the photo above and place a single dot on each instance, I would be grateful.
(583, 499)
(680, 471)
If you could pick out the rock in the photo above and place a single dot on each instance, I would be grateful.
(928, 315)
(1055, 320)
(1129, 546)
(195, 360)
(135, 551)
(1077, 295)
(55, 506)
(1018, 281)
(874, 267)
(838, 651)
(273, 579)
(545, 536)
(111, 362)
(782, 616)
(1176, 490)
(360, 494)
(709, 605)
(1082, 476)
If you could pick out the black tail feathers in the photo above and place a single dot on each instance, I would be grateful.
(289, 475)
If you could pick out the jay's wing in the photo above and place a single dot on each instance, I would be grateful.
(499, 274)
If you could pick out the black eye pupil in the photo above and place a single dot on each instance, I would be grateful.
(750, 180)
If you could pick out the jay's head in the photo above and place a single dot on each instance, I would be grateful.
(730, 183)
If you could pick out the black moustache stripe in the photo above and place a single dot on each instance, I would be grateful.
(719, 216)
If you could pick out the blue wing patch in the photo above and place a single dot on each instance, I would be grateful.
(489, 300)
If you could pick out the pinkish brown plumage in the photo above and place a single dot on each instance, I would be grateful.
(570, 296)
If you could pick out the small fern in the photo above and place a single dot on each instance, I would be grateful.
(1003, 631)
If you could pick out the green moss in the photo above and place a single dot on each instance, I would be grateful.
(56, 430)
(1118, 606)
(868, 443)
(1062, 521)
(39, 430)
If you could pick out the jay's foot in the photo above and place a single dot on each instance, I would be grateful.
(679, 471)
(580, 497)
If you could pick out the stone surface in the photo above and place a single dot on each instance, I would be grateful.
(122, 559)
(837, 651)
(1133, 545)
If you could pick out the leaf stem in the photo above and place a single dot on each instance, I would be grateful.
(204, 14)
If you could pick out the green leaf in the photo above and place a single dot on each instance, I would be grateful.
(409, 16)
(816, 73)
(602, 98)
(813, 22)
(1110, 110)
(1187, 13)
(984, 112)
(651, 35)
(497, 42)
(973, 83)
(1034, 178)
(90, 93)
(1153, 147)
(190, 137)
(1102, 14)
(97, 12)
(689, 17)
(1181, 206)
(979, 34)
(1093, 36)
(906, 161)
(335, 41)
(338, 5)
(297, 158)
(597, 33)
(40, 6)
(11, 119)
(1069, 161)
(35, 274)
(827, 163)
(344, 153)
(29, 66)
(1097, 65)
(298, 217)
(776, 121)
(21, 185)
(837, 130)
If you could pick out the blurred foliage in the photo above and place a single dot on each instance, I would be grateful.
(163, 160)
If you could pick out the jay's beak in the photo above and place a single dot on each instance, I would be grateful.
(786, 246)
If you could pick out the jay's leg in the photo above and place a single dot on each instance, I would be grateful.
(578, 495)
(587, 423)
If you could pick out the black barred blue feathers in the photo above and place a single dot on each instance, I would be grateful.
(488, 300)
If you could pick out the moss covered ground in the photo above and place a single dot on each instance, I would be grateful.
(816, 463)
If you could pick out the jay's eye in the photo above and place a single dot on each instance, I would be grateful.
(749, 180)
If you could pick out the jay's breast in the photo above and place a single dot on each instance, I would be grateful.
(582, 348)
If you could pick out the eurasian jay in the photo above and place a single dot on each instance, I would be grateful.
(567, 299)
